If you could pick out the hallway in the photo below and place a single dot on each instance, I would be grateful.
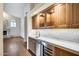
(15, 46)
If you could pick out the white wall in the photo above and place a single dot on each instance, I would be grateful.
(63, 34)
(1, 29)
(22, 27)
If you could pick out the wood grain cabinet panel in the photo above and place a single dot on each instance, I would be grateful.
(61, 52)
(41, 20)
(61, 9)
(64, 15)
(50, 20)
(35, 22)
(75, 14)
(38, 21)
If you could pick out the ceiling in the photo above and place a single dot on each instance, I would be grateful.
(16, 9)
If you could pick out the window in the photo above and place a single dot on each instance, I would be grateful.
(13, 23)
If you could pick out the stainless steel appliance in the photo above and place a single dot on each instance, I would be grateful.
(47, 49)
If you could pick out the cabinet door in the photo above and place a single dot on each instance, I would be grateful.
(55, 16)
(62, 16)
(75, 15)
(50, 20)
(32, 45)
(41, 20)
(34, 22)
(61, 52)
(59, 16)
(38, 21)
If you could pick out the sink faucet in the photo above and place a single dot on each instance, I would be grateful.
(37, 34)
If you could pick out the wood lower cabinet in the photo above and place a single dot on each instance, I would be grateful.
(61, 52)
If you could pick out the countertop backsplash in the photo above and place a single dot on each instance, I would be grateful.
(63, 34)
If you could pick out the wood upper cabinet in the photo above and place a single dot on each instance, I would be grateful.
(42, 20)
(38, 21)
(60, 13)
(63, 15)
(50, 21)
(75, 14)
(67, 15)
(35, 23)
(58, 16)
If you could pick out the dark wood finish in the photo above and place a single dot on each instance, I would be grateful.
(15, 46)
